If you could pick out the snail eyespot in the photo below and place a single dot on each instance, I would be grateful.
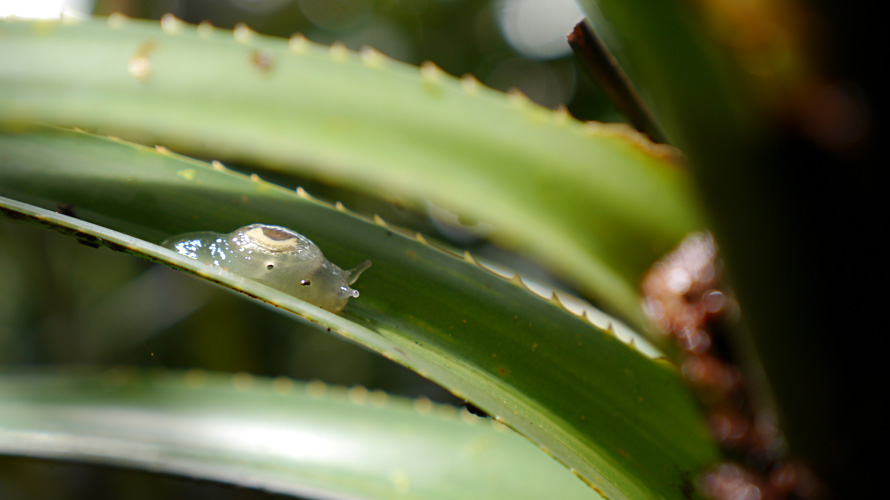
(270, 266)
(305, 282)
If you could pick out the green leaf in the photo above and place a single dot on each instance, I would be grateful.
(277, 435)
(623, 422)
(595, 204)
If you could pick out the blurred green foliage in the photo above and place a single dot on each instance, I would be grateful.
(175, 321)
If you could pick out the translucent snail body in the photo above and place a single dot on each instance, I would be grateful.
(275, 256)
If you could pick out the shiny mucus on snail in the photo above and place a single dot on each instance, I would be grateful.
(277, 257)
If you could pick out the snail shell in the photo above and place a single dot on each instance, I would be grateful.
(275, 256)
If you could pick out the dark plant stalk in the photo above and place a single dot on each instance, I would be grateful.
(603, 69)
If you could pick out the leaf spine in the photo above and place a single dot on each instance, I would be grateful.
(243, 33)
(371, 57)
(423, 405)
(242, 381)
(316, 388)
(358, 394)
(470, 84)
(338, 52)
(431, 73)
(558, 301)
(116, 20)
(170, 24)
(378, 398)
(297, 43)
(632, 136)
(518, 99)
(205, 29)
(470, 259)
(282, 385)
(561, 115)
(379, 221)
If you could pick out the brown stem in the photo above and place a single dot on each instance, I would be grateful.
(603, 69)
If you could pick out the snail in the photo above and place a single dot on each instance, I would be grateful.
(275, 256)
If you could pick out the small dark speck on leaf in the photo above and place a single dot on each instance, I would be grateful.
(87, 240)
(65, 209)
(475, 410)
(262, 59)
